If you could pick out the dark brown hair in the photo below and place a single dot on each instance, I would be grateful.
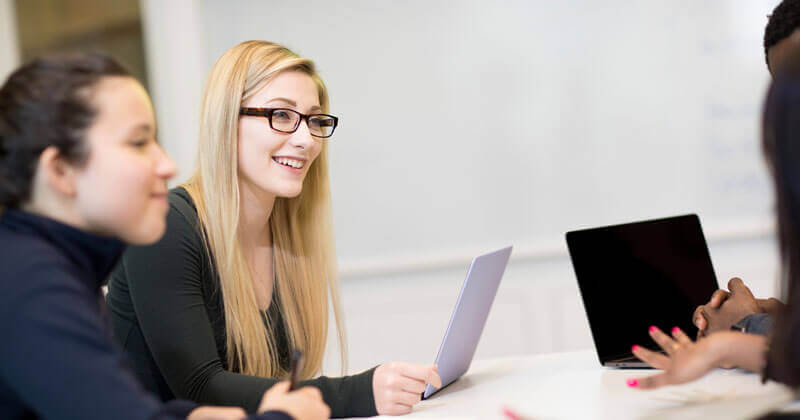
(46, 102)
(781, 143)
(783, 21)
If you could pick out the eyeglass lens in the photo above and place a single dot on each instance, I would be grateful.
(288, 121)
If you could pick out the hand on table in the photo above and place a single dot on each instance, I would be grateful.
(685, 360)
(397, 386)
(217, 413)
(727, 308)
(302, 404)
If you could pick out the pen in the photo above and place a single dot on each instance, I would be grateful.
(297, 359)
(511, 414)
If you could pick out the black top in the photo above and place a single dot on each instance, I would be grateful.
(167, 313)
(58, 357)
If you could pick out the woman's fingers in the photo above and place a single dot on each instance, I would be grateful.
(681, 336)
(718, 298)
(699, 318)
(649, 382)
(664, 341)
(217, 413)
(407, 398)
(411, 385)
(398, 386)
(656, 360)
(681, 366)
(428, 374)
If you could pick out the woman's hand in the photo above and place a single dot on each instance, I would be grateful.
(302, 404)
(725, 309)
(217, 413)
(685, 360)
(398, 386)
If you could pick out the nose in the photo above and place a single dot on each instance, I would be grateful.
(302, 138)
(165, 167)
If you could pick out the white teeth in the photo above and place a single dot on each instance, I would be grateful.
(290, 162)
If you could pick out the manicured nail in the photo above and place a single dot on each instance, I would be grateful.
(511, 414)
(634, 348)
(675, 330)
(633, 383)
(653, 328)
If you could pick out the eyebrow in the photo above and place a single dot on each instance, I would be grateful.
(291, 103)
(142, 127)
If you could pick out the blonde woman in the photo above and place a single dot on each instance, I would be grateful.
(246, 270)
(81, 174)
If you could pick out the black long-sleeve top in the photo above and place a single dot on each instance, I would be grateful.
(57, 357)
(167, 312)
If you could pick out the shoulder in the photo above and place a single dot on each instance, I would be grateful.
(181, 247)
(182, 219)
(181, 203)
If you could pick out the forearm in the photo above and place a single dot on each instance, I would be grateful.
(348, 396)
(746, 351)
(227, 389)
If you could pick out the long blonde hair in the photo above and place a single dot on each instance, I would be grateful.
(302, 227)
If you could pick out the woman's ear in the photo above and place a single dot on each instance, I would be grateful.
(56, 173)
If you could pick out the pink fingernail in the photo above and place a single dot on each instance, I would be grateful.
(676, 330)
(634, 347)
(511, 414)
(633, 383)
(653, 328)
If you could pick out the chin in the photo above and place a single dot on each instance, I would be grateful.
(146, 235)
(288, 191)
(292, 194)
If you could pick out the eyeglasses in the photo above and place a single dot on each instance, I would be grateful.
(288, 120)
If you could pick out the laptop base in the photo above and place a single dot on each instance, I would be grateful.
(628, 365)
(628, 362)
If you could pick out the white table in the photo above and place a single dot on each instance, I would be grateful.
(575, 386)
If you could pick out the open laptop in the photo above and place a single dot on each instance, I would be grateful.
(635, 275)
(469, 317)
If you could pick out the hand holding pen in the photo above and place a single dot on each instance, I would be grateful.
(301, 404)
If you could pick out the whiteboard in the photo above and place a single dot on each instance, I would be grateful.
(472, 124)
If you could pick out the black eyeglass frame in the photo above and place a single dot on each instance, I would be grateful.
(267, 113)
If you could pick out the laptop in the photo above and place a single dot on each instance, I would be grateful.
(635, 275)
(469, 317)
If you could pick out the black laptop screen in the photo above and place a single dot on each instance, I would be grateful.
(640, 274)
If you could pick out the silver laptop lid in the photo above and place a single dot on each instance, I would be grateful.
(469, 316)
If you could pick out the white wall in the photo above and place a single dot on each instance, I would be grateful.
(175, 53)
(9, 47)
(469, 125)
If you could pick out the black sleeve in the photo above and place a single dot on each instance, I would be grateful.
(58, 356)
(166, 288)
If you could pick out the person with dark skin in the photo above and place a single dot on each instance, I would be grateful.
(776, 356)
(737, 308)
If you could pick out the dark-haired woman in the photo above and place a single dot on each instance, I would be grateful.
(80, 175)
(776, 357)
